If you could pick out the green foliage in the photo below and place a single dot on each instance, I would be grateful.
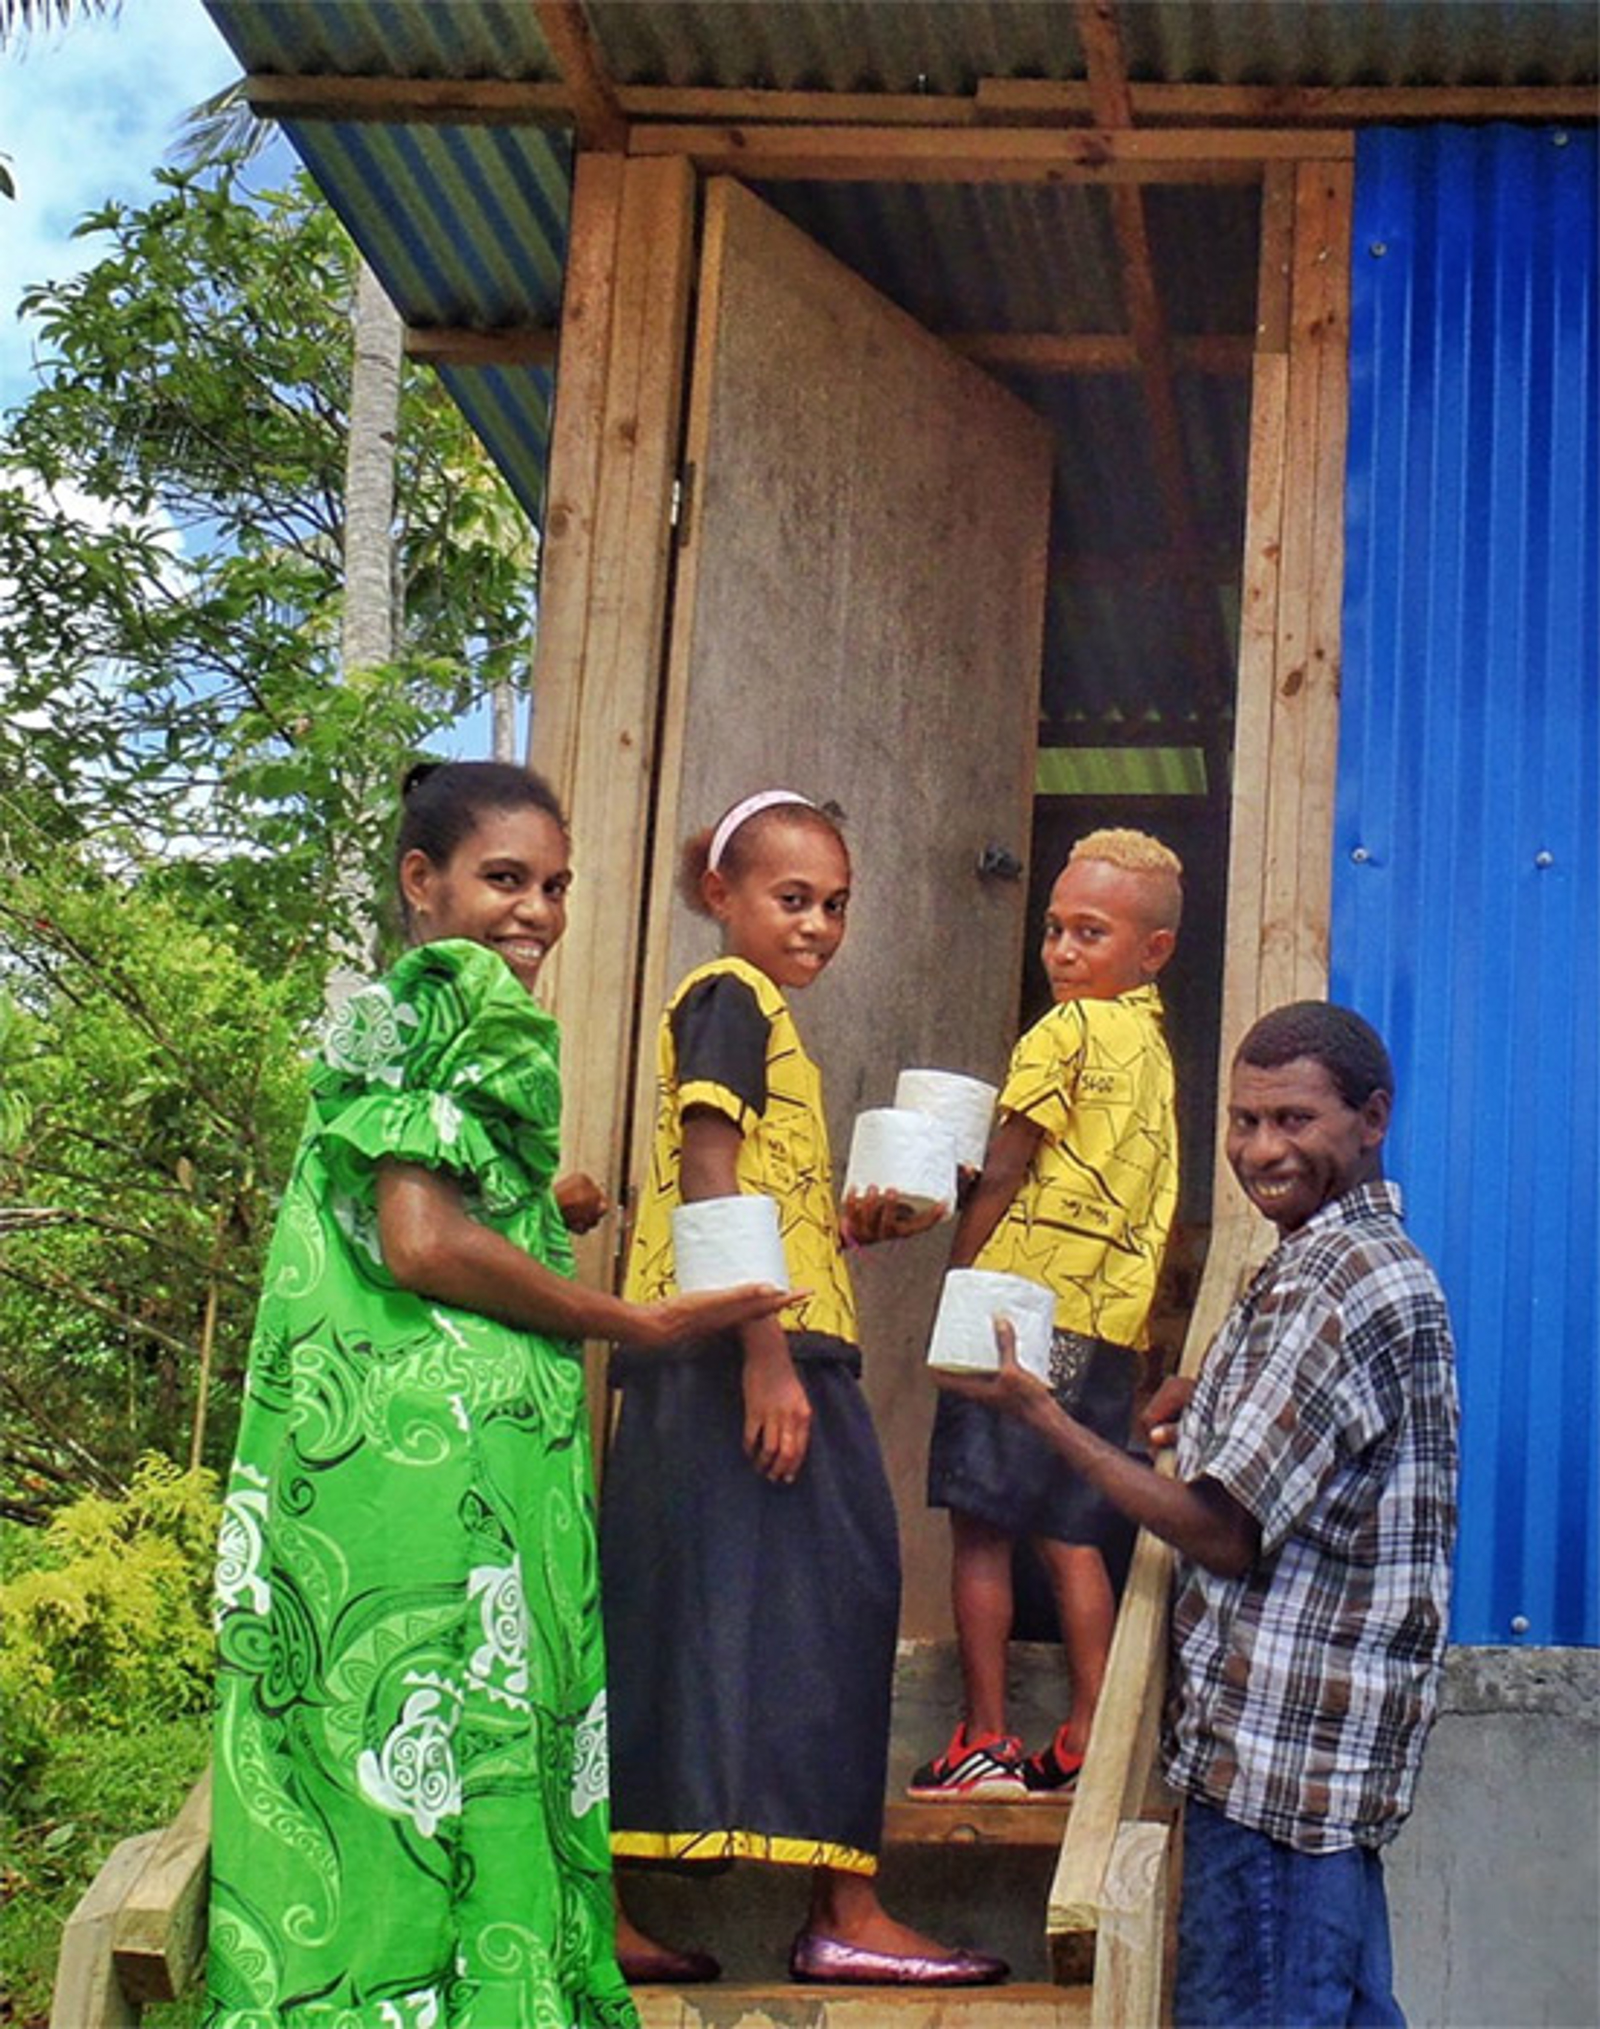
(171, 532)
(111, 1625)
(152, 1088)
(194, 795)
(94, 1787)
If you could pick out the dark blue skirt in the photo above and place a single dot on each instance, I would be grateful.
(750, 1628)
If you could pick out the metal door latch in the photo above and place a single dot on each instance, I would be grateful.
(996, 864)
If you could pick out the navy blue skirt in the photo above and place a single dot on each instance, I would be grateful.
(750, 1628)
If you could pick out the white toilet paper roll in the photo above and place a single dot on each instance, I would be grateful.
(718, 1243)
(908, 1153)
(965, 1105)
(963, 1331)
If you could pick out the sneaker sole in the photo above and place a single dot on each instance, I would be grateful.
(991, 1789)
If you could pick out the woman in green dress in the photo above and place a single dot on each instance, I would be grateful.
(410, 1821)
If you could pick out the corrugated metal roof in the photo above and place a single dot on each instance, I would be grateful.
(948, 45)
(466, 226)
(1467, 852)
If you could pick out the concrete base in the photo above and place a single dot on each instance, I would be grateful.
(1494, 1885)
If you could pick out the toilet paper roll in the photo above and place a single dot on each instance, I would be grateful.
(718, 1243)
(911, 1154)
(965, 1105)
(963, 1330)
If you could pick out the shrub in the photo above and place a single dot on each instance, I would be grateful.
(111, 1625)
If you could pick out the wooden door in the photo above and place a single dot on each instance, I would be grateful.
(858, 615)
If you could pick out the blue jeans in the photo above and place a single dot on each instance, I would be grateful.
(1269, 1938)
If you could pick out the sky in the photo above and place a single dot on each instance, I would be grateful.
(86, 114)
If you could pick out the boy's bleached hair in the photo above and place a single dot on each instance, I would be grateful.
(1136, 852)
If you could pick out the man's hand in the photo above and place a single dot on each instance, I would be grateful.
(1011, 1388)
(1159, 1418)
(866, 1217)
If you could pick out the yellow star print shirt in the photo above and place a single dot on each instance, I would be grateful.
(728, 1041)
(1091, 1218)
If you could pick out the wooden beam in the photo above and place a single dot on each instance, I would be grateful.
(1133, 1928)
(1024, 102)
(978, 155)
(1110, 104)
(1206, 640)
(613, 458)
(1051, 352)
(512, 345)
(1035, 101)
(88, 1994)
(602, 124)
(159, 1936)
(954, 1823)
(446, 102)
(721, 103)
(1277, 252)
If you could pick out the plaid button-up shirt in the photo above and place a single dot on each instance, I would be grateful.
(1302, 1692)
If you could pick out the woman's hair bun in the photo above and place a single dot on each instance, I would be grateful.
(416, 775)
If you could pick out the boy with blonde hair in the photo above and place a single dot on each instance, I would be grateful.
(1077, 1192)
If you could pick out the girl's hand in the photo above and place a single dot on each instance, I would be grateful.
(705, 1315)
(580, 1201)
(777, 1414)
(1012, 1388)
(866, 1217)
(1159, 1418)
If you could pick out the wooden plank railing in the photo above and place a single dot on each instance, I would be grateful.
(139, 1933)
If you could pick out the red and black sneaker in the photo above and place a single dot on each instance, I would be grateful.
(1051, 1772)
(981, 1768)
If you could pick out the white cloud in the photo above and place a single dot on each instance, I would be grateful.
(86, 114)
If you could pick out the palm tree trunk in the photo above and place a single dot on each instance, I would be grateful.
(368, 634)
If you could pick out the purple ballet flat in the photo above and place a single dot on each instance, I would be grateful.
(828, 1960)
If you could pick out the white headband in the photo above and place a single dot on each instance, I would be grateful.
(741, 813)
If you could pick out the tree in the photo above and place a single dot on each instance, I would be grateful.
(152, 1087)
(170, 655)
(195, 763)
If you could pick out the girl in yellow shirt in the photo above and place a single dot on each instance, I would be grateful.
(749, 1551)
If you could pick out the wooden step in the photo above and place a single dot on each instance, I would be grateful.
(953, 1822)
(827, 2007)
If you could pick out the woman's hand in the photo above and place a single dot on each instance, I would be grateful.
(777, 1411)
(866, 1217)
(675, 1318)
(580, 1201)
(1159, 1418)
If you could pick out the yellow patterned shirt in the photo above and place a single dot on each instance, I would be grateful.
(728, 1042)
(1091, 1216)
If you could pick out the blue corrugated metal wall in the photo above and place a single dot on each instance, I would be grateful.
(1466, 916)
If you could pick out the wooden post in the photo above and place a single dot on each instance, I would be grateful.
(1133, 1927)
(613, 461)
(159, 1936)
(88, 1994)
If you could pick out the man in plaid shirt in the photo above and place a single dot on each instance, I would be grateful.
(1314, 1509)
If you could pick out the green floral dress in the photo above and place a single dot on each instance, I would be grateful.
(411, 1818)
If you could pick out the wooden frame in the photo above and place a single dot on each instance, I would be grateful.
(607, 552)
